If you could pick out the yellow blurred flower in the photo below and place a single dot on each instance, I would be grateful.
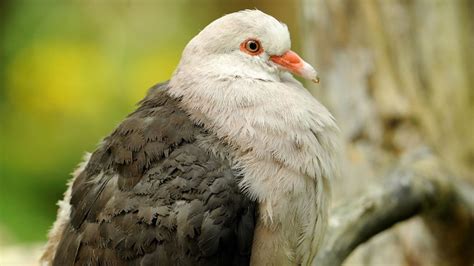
(55, 76)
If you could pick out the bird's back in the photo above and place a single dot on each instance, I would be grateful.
(153, 193)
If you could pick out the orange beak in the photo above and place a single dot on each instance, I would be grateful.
(292, 62)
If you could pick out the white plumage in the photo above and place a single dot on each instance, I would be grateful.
(285, 141)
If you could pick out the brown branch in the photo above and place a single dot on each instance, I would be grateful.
(417, 186)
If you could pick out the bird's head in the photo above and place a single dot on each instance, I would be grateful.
(247, 44)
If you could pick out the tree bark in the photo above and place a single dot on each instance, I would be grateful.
(398, 75)
(411, 189)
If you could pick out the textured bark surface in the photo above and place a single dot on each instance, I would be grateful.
(398, 75)
(417, 186)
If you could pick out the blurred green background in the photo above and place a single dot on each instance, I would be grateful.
(69, 72)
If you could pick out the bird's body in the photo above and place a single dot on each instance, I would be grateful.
(228, 163)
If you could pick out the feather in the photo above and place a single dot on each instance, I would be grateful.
(155, 197)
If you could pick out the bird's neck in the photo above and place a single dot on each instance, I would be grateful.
(279, 121)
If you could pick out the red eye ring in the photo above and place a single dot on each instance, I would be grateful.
(251, 47)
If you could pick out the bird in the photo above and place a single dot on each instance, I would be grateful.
(229, 162)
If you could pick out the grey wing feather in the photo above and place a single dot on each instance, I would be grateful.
(150, 195)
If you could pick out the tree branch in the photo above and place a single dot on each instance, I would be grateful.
(418, 185)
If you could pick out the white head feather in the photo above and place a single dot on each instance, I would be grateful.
(216, 48)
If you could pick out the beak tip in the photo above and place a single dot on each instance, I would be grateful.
(315, 80)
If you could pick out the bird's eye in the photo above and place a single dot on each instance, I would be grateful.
(251, 46)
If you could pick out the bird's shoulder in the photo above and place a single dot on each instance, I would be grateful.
(152, 194)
